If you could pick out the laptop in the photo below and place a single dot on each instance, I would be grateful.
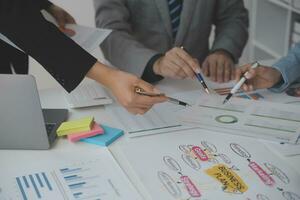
(23, 123)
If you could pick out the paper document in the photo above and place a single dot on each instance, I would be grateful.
(201, 164)
(86, 37)
(259, 119)
(161, 118)
(86, 95)
(79, 174)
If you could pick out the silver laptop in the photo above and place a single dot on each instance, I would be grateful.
(23, 123)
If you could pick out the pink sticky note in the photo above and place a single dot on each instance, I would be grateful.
(96, 130)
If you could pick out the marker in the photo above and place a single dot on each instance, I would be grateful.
(240, 83)
(141, 91)
(200, 78)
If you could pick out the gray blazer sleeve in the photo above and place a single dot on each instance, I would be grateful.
(113, 14)
(231, 21)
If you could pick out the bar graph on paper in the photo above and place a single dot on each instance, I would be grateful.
(66, 183)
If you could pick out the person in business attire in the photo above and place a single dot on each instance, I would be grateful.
(13, 59)
(22, 22)
(278, 77)
(147, 35)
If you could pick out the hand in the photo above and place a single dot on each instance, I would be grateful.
(62, 18)
(177, 64)
(219, 67)
(258, 78)
(122, 85)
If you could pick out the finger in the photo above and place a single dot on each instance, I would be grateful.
(233, 73)
(67, 31)
(227, 71)
(205, 67)
(212, 69)
(180, 67)
(190, 62)
(238, 74)
(186, 70)
(70, 19)
(148, 100)
(220, 70)
(137, 111)
(250, 74)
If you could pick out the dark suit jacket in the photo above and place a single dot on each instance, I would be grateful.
(22, 22)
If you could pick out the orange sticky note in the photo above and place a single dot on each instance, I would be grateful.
(96, 130)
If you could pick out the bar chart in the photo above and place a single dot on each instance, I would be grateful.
(36, 186)
(83, 183)
(80, 182)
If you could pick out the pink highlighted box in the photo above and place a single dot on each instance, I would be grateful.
(96, 130)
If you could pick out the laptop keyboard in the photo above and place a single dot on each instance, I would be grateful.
(50, 127)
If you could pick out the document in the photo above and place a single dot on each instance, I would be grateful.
(86, 37)
(259, 119)
(201, 164)
(79, 174)
(162, 118)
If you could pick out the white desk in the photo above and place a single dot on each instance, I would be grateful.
(53, 98)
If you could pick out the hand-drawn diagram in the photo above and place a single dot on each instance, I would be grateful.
(172, 186)
(205, 158)
(267, 175)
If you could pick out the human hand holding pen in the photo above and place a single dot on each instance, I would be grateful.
(240, 82)
(142, 92)
(122, 85)
(259, 78)
(177, 64)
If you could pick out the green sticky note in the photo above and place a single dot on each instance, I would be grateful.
(75, 126)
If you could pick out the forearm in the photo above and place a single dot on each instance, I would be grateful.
(60, 56)
(231, 20)
(289, 67)
(121, 48)
(43, 4)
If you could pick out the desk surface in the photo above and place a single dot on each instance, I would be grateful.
(54, 98)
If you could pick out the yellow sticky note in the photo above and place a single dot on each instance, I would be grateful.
(75, 126)
(228, 178)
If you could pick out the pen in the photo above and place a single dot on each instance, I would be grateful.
(239, 84)
(141, 91)
(200, 78)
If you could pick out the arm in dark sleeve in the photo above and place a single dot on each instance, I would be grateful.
(43, 4)
(22, 22)
(148, 74)
(231, 20)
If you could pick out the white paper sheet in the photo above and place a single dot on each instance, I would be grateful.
(162, 118)
(67, 174)
(174, 166)
(266, 95)
(260, 119)
(86, 37)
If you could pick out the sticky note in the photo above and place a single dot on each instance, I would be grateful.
(109, 136)
(230, 180)
(96, 130)
(75, 126)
